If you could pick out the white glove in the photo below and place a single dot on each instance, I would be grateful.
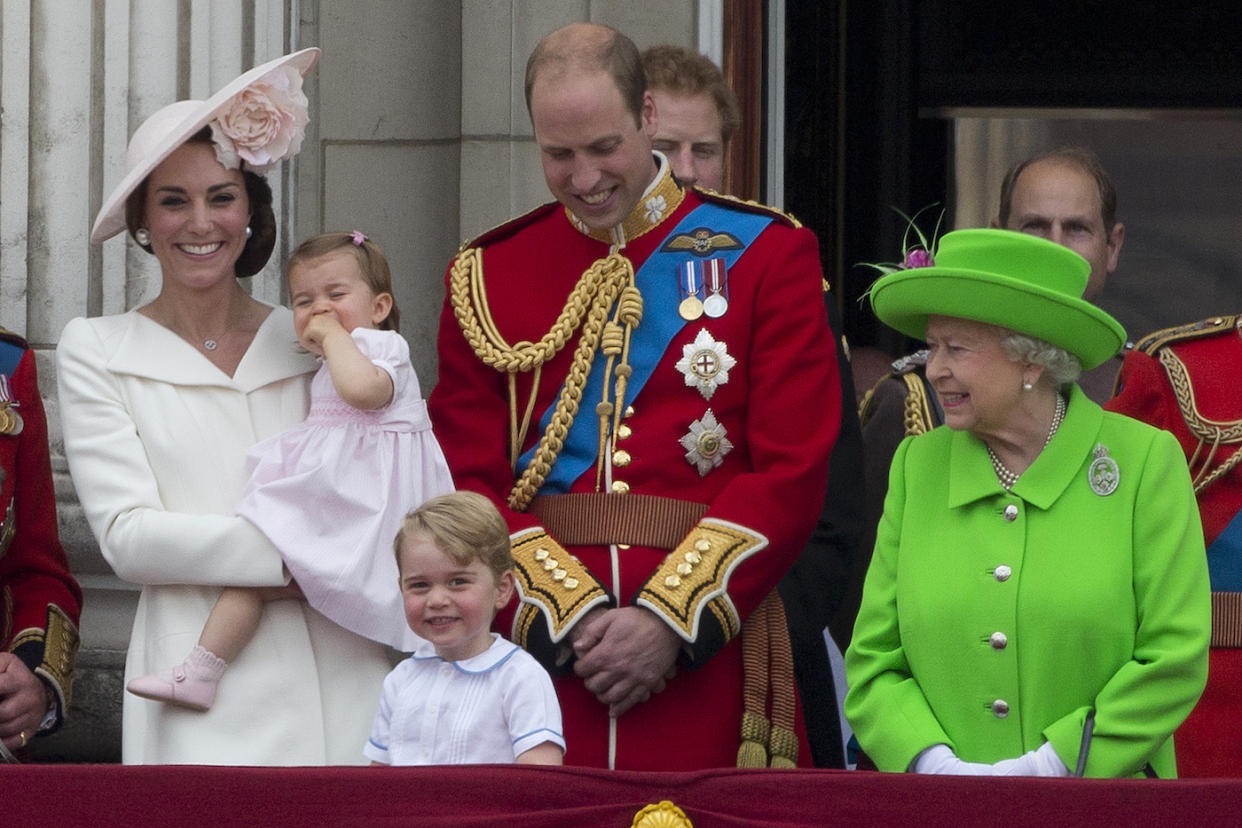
(941, 760)
(1041, 762)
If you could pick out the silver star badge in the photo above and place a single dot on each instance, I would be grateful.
(705, 364)
(705, 443)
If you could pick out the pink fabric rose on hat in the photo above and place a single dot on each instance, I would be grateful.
(264, 123)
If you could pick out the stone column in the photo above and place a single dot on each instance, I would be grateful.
(76, 79)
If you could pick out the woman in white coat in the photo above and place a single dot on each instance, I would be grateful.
(159, 406)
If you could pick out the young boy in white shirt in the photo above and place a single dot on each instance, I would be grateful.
(467, 695)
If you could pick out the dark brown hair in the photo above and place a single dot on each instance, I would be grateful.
(683, 71)
(258, 248)
(1080, 157)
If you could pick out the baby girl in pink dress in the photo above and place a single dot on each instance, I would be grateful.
(331, 492)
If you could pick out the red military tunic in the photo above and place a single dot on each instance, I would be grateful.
(1185, 380)
(39, 600)
(748, 458)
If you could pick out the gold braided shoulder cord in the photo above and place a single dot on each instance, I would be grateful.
(587, 306)
(1210, 432)
(916, 414)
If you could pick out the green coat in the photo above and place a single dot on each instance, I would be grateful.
(1104, 605)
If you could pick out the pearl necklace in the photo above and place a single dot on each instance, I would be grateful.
(1008, 477)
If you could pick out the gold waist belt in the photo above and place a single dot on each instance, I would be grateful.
(602, 518)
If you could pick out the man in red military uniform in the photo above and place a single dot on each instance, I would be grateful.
(39, 599)
(1184, 380)
(643, 377)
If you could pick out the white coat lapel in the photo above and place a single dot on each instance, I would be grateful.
(149, 350)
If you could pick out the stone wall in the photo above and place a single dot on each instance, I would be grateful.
(419, 137)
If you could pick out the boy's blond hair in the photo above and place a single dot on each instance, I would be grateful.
(462, 525)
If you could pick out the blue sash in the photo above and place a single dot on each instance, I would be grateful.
(10, 356)
(1224, 558)
(657, 281)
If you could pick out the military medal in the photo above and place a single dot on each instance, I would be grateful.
(1103, 474)
(10, 420)
(705, 364)
(717, 283)
(705, 443)
(691, 307)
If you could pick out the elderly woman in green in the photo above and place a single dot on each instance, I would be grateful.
(1038, 599)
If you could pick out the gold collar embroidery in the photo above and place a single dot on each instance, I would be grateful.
(657, 204)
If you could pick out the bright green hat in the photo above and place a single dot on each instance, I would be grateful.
(1015, 280)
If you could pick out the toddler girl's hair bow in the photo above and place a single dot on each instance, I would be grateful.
(358, 236)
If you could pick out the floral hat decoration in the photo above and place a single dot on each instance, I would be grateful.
(913, 254)
(1015, 280)
(258, 118)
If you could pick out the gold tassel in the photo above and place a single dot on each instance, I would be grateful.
(783, 745)
(752, 752)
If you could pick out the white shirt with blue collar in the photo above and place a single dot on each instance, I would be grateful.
(482, 710)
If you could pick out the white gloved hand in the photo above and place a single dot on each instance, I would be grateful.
(940, 759)
(1041, 762)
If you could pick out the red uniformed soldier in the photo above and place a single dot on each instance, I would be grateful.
(39, 599)
(1185, 380)
(643, 377)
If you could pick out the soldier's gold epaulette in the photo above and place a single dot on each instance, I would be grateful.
(1212, 326)
(748, 206)
(513, 225)
(8, 336)
(918, 409)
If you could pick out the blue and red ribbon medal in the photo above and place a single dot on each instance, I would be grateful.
(690, 283)
(716, 279)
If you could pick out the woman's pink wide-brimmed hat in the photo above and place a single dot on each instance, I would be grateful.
(169, 127)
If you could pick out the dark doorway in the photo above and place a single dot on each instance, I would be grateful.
(870, 86)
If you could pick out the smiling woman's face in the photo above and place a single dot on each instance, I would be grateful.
(196, 212)
(979, 387)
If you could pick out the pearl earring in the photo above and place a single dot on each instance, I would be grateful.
(143, 236)
(1026, 386)
(249, 232)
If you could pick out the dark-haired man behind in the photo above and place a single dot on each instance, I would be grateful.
(698, 115)
(1068, 197)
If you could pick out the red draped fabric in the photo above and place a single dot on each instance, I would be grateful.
(496, 795)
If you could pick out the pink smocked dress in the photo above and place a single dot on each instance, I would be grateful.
(331, 492)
